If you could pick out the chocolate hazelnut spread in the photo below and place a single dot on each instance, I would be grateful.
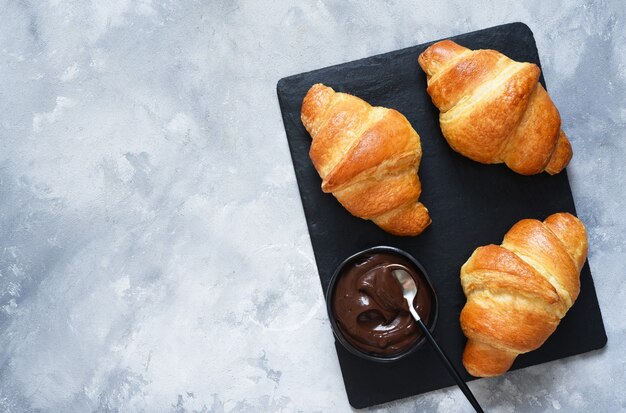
(369, 308)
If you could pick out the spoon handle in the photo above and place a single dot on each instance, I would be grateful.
(446, 361)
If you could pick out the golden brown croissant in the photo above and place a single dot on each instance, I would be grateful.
(367, 157)
(494, 110)
(517, 292)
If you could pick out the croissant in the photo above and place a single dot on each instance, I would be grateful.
(494, 110)
(518, 292)
(368, 159)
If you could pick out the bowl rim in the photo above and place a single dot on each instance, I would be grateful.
(333, 322)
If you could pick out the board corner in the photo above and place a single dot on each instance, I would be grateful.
(521, 26)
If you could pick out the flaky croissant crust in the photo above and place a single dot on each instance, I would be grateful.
(367, 157)
(494, 110)
(517, 292)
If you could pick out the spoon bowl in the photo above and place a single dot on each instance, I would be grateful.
(409, 288)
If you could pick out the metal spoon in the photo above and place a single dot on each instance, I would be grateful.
(409, 291)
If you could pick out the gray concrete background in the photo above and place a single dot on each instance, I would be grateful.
(153, 251)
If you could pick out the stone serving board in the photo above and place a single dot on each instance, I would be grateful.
(471, 204)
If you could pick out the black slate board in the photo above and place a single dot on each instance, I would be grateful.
(471, 204)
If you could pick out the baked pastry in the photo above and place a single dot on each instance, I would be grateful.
(368, 159)
(494, 110)
(517, 292)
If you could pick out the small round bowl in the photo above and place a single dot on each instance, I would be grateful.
(333, 322)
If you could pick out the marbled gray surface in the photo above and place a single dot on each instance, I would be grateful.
(153, 250)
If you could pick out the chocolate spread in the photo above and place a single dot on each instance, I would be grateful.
(369, 308)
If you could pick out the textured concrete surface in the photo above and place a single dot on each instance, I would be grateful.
(153, 251)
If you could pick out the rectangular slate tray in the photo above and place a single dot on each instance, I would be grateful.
(471, 204)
